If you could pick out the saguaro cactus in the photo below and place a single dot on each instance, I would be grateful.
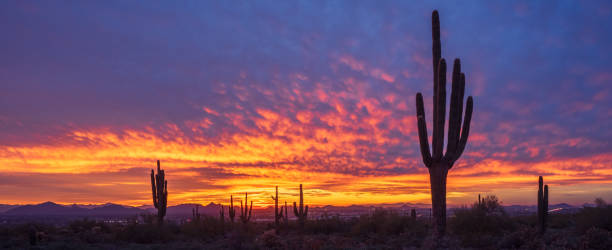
(195, 213)
(542, 205)
(231, 211)
(244, 216)
(221, 214)
(439, 163)
(303, 211)
(413, 214)
(159, 187)
(277, 216)
(286, 216)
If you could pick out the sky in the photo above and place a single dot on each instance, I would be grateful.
(241, 96)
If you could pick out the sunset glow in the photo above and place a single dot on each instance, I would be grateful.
(235, 99)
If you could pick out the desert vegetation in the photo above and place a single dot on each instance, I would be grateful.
(482, 225)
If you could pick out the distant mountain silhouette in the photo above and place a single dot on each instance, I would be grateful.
(6, 207)
(47, 208)
(115, 209)
(186, 209)
(212, 209)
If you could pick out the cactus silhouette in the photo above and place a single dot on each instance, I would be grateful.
(439, 163)
(542, 205)
(245, 215)
(413, 214)
(159, 187)
(221, 214)
(286, 216)
(195, 213)
(303, 211)
(231, 211)
(277, 216)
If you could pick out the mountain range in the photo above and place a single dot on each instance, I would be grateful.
(111, 209)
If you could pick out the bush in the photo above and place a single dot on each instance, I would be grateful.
(597, 238)
(147, 233)
(478, 226)
(384, 222)
(206, 228)
(599, 216)
(326, 225)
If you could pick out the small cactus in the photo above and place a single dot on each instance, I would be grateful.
(286, 216)
(245, 214)
(413, 214)
(542, 205)
(277, 216)
(231, 211)
(302, 213)
(159, 187)
(221, 214)
(195, 213)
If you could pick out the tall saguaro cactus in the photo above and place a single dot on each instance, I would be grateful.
(277, 216)
(159, 188)
(439, 162)
(303, 211)
(231, 211)
(542, 205)
(244, 216)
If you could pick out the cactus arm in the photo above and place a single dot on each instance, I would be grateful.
(301, 200)
(436, 55)
(455, 112)
(153, 189)
(305, 212)
(440, 112)
(295, 211)
(165, 202)
(466, 129)
(422, 126)
(546, 199)
(250, 211)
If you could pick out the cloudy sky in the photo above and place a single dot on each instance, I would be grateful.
(236, 96)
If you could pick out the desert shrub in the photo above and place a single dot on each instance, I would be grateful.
(387, 223)
(599, 216)
(147, 233)
(269, 239)
(525, 237)
(326, 225)
(481, 224)
(596, 238)
(90, 231)
(84, 225)
(18, 236)
(206, 228)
